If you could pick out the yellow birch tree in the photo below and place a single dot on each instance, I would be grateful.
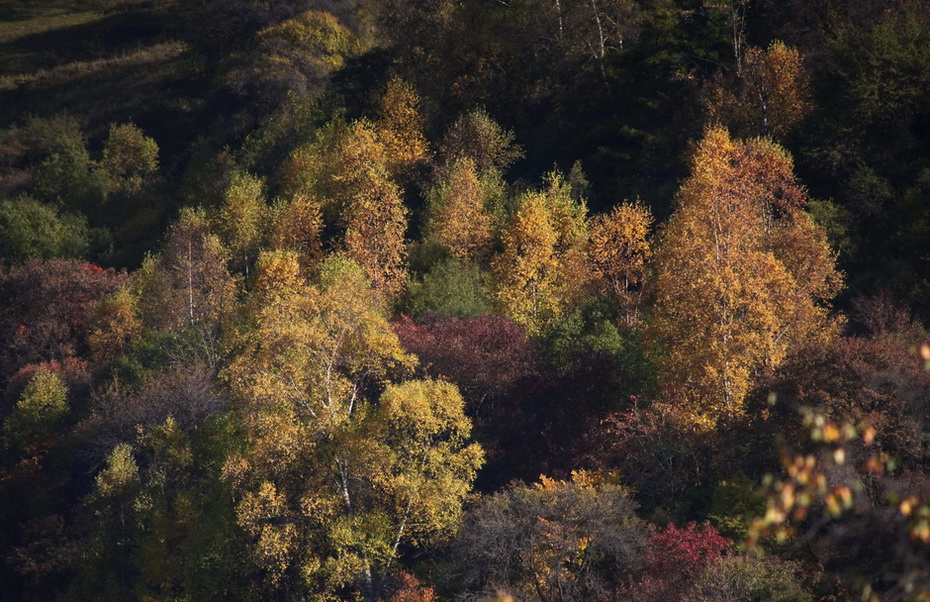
(336, 476)
(458, 219)
(619, 251)
(543, 267)
(400, 128)
(375, 221)
(297, 227)
(769, 96)
(526, 269)
(347, 173)
(733, 293)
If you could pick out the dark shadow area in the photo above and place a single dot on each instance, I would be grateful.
(111, 35)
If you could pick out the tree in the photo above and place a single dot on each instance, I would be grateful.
(129, 158)
(864, 149)
(589, 30)
(686, 549)
(185, 394)
(46, 308)
(297, 227)
(39, 412)
(458, 218)
(375, 222)
(542, 268)
(769, 96)
(184, 294)
(409, 589)
(106, 568)
(474, 143)
(554, 540)
(450, 288)
(29, 228)
(619, 251)
(324, 168)
(674, 559)
(116, 325)
(187, 543)
(400, 128)
(569, 214)
(423, 463)
(160, 522)
(333, 484)
(486, 356)
(749, 578)
(345, 170)
(294, 56)
(526, 269)
(303, 376)
(478, 137)
(73, 371)
(241, 220)
(64, 173)
(731, 298)
(188, 283)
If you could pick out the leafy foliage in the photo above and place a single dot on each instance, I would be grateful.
(247, 413)
(768, 97)
(46, 308)
(542, 268)
(459, 220)
(742, 272)
(674, 560)
(297, 227)
(485, 356)
(380, 474)
(450, 288)
(295, 56)
(555, 540)
(241, 220)
(400, 128)
(31, 229)
(41, 408)
(619, 251)
(129, 158)
(748, 577)
(187, 289)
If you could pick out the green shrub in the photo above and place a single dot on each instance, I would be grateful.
(29, 228)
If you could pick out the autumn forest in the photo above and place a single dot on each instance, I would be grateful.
(465, 300)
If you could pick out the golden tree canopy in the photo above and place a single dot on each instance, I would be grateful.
(458, 219)
(400, 127)
(743, 275)
(769, 96)
(619, 251)
(543, 268)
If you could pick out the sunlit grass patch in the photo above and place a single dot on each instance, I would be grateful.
(10, 31)
(79, 69)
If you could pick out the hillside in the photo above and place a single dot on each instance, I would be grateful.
(465, 300)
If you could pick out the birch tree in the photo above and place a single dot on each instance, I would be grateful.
(733, 294)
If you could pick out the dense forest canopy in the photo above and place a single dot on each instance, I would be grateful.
(465, 300)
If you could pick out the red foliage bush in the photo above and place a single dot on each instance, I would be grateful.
(672, 561)
(687, 550)
(45, 307)
(485, 356)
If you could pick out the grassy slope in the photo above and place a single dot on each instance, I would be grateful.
(71, 56)
(108, 66)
